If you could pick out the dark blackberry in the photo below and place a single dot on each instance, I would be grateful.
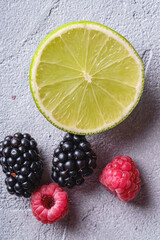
(72, 161)
(18, 135)
(61, 182)
(57, 151)
(68, 137)
(79, 180)
(21, 163)
(86, 172)
(5, 169)
(81, 164)
(6, 143)
(1, 149)
(69, 165)
(55, 176)
(62, 157)
(67, 146)
(21, 149)
(8, 138)
(6, 152)
(4, 161)
(79, 154)
(25, 142)
(84, 146)
(11, 161)
(91, 162)
(15, 153)
(15, 142)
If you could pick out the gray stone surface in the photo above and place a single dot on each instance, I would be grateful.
(94, 213)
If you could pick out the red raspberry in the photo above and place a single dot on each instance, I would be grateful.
(49, 203)
(121, 177)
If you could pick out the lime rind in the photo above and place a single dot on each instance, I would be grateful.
(36, 55)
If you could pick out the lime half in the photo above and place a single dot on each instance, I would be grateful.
(86, 78)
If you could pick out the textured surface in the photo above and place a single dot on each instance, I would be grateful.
(94, 213)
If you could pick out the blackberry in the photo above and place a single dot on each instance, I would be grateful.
(73, 160)
(21, 163)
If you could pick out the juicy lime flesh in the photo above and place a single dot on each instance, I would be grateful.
(85, 80)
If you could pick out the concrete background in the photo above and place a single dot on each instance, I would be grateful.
(94, 213)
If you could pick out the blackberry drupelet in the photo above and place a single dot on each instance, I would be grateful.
(21, 163)
(72, 161)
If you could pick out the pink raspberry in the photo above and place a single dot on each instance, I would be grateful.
(49, 203)
(121, 177)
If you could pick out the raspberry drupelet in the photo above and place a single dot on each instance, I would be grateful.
(121, 177)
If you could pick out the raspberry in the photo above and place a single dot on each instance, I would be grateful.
(121, 177)
(49, 203)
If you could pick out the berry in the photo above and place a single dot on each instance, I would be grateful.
(16, 167)
(79, 154)
(26, 156)
(26, 164)
(4, 161)
(73, 159)
(22, 178)
(85, 146)
(15, 142)
(61, 182)
(31, 177)
(121, 177)
(80, 164)
(10, 181)
(26, 185)
(1, 149)
(10, 189)
(15, 153)
(21, 163)
(55, 161)
(6, 152)
(91, 162)
(6, 143)
(55, 176)
(68, 137)
(67, 147)
(57, 151)
(18, 187)
(64, 174)
(73, 173)
(60, 166)
(62, 157)
(79, 180)
(11, 161)
(26, 136)
(25, 142)
(49, 203)
(24, 171)
(33, 144)
(32, 154)
(70, 156)
(69, 165)
(8, 138)
(71, 183)
(18, 135)
(77, 139)
(61, 143)
(20, 160)
(86, 172)
(21, 149)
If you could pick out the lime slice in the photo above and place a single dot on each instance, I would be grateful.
(86, 78)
